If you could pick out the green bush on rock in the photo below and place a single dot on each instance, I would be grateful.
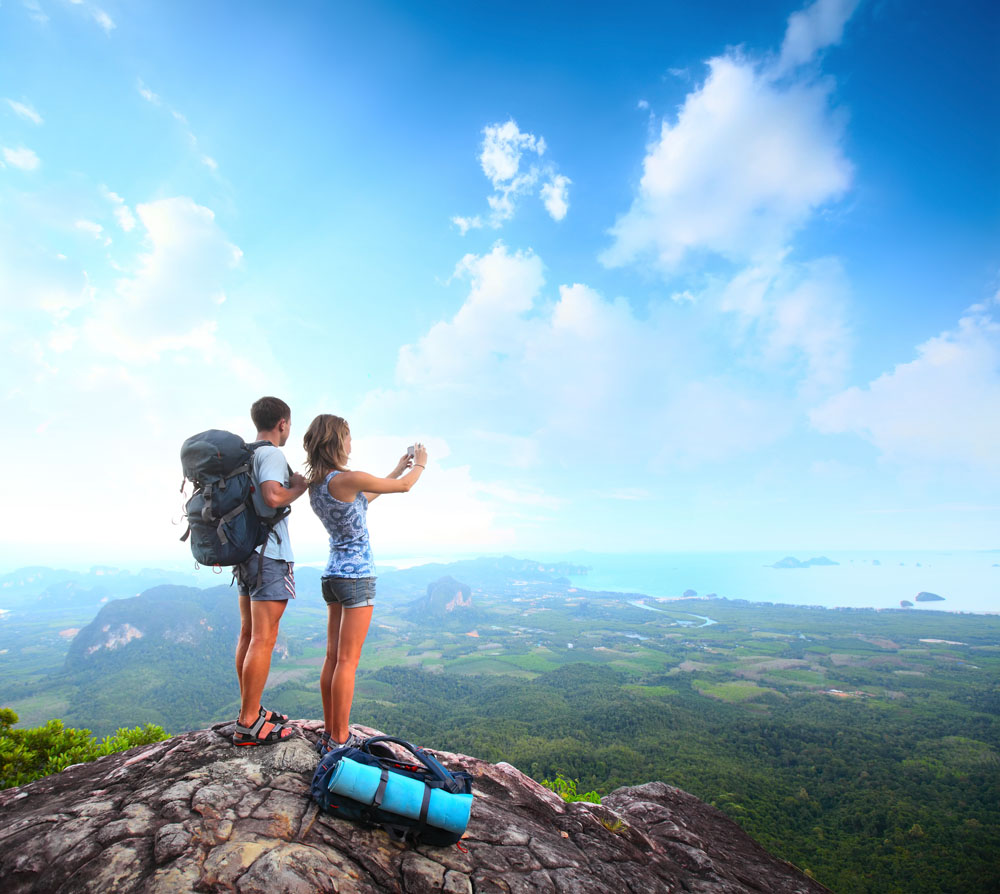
(566, 789)
(29, 754)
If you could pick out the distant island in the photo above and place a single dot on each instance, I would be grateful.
(929, 597)
(792, 562)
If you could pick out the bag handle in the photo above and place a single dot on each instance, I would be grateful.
(431, 763)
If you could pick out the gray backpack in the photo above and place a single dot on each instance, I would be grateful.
(223, 524)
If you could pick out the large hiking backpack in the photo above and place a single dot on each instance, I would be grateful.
(420, 802)
(223, 524)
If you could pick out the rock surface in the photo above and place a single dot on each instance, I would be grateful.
(195, 814)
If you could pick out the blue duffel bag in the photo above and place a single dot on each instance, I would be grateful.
(421, 802)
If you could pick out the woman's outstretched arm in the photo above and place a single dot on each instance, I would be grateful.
(405, 462)
(347, 485)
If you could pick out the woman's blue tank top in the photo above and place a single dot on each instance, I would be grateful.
(347, 525)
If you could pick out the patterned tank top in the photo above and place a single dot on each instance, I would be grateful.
(347, 525)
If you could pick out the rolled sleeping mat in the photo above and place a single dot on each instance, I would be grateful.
(403, 795)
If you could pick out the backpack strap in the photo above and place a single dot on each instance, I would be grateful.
(424, 804)
(442, 778)
(228, 517)
(380, 791)
(206, 510)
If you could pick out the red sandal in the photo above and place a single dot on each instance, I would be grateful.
(274, 716)
(263, 732)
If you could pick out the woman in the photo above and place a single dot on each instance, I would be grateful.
(340, 498)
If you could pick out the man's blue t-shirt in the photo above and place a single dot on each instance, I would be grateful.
(269, 464)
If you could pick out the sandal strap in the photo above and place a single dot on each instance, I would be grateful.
(273, 715)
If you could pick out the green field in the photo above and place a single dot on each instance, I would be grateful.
(842, 740)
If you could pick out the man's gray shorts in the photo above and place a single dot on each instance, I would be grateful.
(350, 592)
(277, 579)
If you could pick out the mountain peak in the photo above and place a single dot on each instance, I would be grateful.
(192, 812)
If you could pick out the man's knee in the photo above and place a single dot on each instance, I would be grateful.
(264, 640)
(347, 662)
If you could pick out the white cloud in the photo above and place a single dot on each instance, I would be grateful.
(465, 224)
(574, 376)
(747, 161)
(25, 111)
(93, 228)
(504, 286)
(145, 346)
(35, 11)
(125, 218)
(942, 407)
(22, 158)
(555, 195)
(103, 19)
(812, 29)
(154, 99)
(503, 148)
(123, 214)
(148, 94)
(793, 316)
(168, 304)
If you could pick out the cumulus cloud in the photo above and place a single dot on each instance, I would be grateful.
(465, 224)
(580, 369)
(148, 94)
(745, 164)
(503, 287)
(94, 229)
(143, 344)
(503, 148)
(35, 11)
(22, 158)
(123, 214)
(942, 407)
(23, 110)
(555, 195)
(812, 29)
(793, 316)
(103, 19)
(168, 304)
(154, 99)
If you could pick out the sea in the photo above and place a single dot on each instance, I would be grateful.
(968, 581)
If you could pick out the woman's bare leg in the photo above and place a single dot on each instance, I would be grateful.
(335, 612)
(354, 625)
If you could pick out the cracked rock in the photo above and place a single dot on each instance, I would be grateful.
(195, 813)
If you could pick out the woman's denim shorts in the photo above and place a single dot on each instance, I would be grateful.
(350, 592)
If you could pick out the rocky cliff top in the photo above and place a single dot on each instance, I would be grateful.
(193, 813)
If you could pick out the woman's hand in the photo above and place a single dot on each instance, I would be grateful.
(405, 461)
(419, 455)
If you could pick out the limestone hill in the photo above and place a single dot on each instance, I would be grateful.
(193, 813)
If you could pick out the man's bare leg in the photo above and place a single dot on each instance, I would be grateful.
(265, 615)
(243, 643)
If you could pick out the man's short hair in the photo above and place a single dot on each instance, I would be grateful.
(267, 412)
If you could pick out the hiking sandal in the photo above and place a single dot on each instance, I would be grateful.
(274, 716)
(330, 744)
(263, 732)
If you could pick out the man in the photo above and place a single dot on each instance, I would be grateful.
(266, 579)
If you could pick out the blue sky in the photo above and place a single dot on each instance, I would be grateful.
(677, 276)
